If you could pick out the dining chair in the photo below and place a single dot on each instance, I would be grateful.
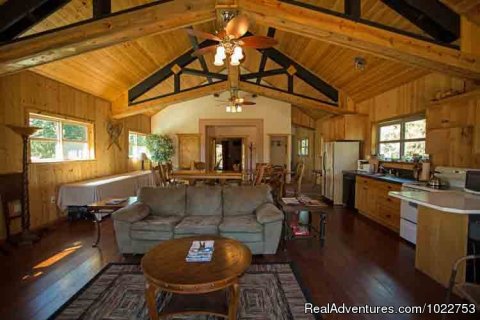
(295, 187)
(469, 291)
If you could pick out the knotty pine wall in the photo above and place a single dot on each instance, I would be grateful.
(29, 92)
(459, 141)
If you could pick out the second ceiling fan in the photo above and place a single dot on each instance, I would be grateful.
(230, 41)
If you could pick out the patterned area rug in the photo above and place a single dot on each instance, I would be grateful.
(267, 291)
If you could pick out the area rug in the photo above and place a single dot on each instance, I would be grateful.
(267, 291)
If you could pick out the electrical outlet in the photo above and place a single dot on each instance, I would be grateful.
(52, 200)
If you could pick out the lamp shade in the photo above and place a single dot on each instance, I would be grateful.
(143, 156)
(23, 131)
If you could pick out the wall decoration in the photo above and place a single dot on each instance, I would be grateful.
(114, 130)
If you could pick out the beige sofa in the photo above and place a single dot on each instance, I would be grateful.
(243, 213)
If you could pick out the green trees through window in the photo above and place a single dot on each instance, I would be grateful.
(402, 139)
(59, 140)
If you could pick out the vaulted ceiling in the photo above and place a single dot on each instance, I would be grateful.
(110, 72)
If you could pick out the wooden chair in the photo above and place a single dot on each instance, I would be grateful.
(199, 165)
(259, 174)
(295, 188)
(277, 182)
(469, 291)
(11, 186)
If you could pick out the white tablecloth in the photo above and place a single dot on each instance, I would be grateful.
(118, 186)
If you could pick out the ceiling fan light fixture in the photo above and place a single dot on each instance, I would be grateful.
(233, 109)
(234, 61)
(228, 109)
(218, 61)
(238, 53)
(220, 52)
(239, 108)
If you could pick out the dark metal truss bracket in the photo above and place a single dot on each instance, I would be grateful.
(166, 72)
(302, 73)
(17, 16)
(369, 23)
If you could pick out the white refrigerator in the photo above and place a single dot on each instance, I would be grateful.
(337, 157)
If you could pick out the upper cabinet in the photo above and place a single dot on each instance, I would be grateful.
(346, 127)
(453, 131)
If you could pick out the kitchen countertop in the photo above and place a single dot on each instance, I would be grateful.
(386, 178)
(457, 202)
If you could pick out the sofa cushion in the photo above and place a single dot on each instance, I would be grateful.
(244, 200)
(204, 200)
(150, 235)
(244, 237)
(156, 223)
(247, 224)
(198, 225)
(164, 201)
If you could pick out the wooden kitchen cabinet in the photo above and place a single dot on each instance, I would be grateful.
(451, 146)
(372, 200)
(346, 127)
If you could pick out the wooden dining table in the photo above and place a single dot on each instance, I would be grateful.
(192, 175)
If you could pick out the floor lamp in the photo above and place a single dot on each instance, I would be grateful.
(26, 237)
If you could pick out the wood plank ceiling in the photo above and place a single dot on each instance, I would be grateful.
(110, 72)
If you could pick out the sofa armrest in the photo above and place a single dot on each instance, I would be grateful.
(132, 213)
(267, 213)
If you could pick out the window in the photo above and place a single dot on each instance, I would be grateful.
(402, 139)
(60, 139)
(137, 144)
(303, 147)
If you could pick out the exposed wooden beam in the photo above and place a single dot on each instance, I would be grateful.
(16, 17)
(298, 100)
(163, 73)
(101, 8)
(156, 104)
(154, 18)
(433, 17)
(338, 30)
(263, 61)
(353, 8)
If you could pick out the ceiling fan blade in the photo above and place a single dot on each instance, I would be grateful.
(248, 103)
(237, 27)
(205, 50)
(202, 35)
(258, 42)
(221, 34)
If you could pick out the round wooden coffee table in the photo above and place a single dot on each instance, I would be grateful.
(197, 287)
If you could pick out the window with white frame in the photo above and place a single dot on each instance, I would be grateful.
(60, 139)
(402, 139)
(137, 144)
(303, 147)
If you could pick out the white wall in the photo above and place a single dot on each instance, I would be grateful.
(184, 117)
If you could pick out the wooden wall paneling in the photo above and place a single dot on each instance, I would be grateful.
(188, 150)
(300, 118)
(28, 91)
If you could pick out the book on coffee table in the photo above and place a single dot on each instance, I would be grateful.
(200, 251)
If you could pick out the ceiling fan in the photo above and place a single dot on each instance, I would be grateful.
(235, 103)
(230, 41)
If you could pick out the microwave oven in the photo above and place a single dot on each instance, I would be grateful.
(472, 181)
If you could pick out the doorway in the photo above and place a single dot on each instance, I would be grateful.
(279, 150)
(229, 154)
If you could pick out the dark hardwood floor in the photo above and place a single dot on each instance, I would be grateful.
(361, 263)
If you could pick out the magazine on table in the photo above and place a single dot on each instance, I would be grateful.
(200, 251)
(116, 201)
(290, 201)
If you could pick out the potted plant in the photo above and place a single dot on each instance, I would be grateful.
(160, 148)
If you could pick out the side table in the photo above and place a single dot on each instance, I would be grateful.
(294, 209)
(96, 208)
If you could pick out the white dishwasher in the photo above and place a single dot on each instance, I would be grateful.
(408, 219)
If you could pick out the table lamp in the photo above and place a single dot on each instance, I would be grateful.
(27, 237)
